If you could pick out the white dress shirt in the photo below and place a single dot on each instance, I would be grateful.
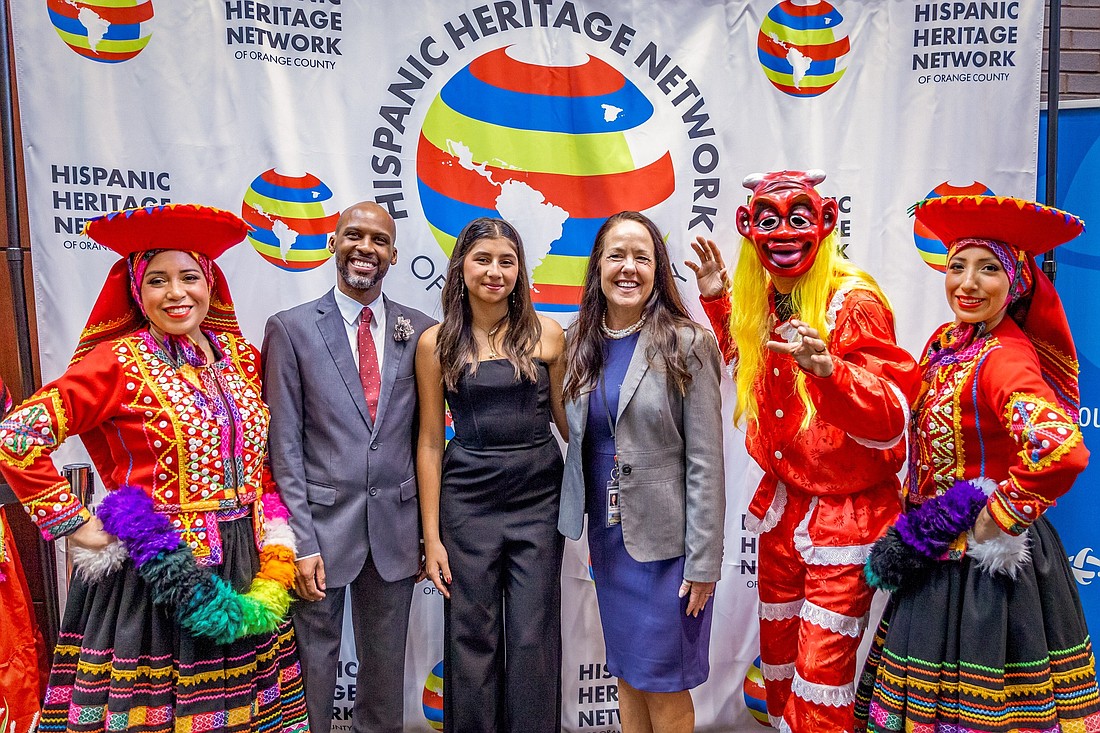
(349, 311)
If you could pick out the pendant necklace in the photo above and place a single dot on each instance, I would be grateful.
(490, 341)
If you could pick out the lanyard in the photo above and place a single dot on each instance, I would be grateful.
(607, 410)
(610, 423)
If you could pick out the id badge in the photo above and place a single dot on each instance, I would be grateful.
(614, 512)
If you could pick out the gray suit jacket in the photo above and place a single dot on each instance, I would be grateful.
(350, 484)
(672, 483)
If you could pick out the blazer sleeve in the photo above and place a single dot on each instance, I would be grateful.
(282, 388)
(704, 462)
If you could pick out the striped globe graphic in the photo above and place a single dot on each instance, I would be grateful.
(753, 689)
(108, 31)
(932, 250)
(554, 150)
(291, 217)
(802, 47)
(433, 697)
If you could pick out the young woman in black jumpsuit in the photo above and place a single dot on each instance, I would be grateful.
(489, 501)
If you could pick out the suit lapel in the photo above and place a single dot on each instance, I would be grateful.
(334, 332)
(394, 351)
(634, 372)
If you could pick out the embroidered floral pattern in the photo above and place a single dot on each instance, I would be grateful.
(1045, 433)
(29, 431)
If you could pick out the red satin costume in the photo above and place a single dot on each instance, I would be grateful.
(829, 490)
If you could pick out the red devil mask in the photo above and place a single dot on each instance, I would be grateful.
(786, 220)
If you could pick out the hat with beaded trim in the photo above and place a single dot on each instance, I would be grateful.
(1030, 229)
(188, 227)
(203, 231)
(1025, 225)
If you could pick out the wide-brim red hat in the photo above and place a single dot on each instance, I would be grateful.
(188, 227)
(193, 228)
(1034, 229)
(1026, 225)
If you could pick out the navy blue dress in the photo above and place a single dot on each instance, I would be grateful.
(650, 641)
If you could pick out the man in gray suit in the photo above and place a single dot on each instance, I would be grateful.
(339, 378)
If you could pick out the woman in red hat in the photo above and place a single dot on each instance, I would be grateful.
(175, 615)
(984, 630)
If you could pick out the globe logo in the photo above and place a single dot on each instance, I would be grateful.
(108, 31)
(555, 150)
(1085, 565)
(801, 47)
(433, 697)
(755, 699)
(291, 218)
(932, 250)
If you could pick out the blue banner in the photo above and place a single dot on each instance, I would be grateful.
(1078, 282)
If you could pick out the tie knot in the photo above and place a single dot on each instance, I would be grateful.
(366, 316)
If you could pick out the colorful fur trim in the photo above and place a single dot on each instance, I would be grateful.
(923, 535)
(202, 602)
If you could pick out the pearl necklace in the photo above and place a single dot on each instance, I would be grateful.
(621, 333)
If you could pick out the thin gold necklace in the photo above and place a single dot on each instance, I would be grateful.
(489, 339)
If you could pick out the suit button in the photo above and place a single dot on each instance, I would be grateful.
(626, 470)
(374, 446)
(373, 491)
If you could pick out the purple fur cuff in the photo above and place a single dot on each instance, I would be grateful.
(129, 515)
(931, 527)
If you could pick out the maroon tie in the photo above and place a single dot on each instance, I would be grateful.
(368, 363)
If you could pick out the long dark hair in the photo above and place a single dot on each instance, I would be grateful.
(664, 312)
(455, 344)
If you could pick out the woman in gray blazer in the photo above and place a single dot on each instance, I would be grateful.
(645, 463)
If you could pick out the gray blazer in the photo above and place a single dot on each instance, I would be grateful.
(672, 483)
(350, 484)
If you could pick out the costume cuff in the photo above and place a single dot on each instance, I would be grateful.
(1013, 509)
(57, 514)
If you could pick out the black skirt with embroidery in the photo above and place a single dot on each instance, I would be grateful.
(968, 651)
(123, 663)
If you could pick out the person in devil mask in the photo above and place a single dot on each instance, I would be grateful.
(823, 391)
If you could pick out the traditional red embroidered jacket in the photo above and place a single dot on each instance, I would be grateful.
(851, 452)
(990, 414)
(149, 425)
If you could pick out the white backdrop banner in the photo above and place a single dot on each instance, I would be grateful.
(551, 113)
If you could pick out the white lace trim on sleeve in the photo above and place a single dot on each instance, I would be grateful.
(772, 516)
(885, 444)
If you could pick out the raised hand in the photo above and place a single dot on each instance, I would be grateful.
(710, 272)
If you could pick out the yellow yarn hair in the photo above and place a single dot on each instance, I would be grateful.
(749, 319)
